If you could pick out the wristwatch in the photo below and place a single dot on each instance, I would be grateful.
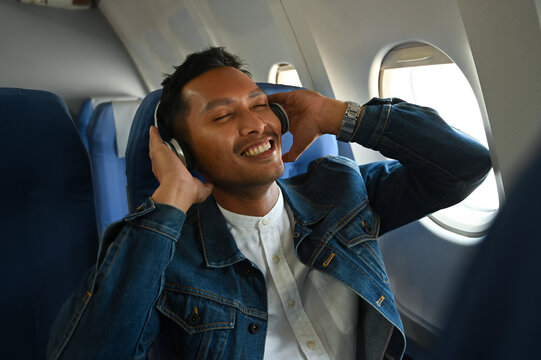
(350, 121)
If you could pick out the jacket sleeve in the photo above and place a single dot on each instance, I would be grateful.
(436, 165)
(108, 314)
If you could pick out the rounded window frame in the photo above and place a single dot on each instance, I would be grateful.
(274, 74)
(476, 222)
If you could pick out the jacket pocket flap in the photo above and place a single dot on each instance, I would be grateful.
(195, 313)
(360, 225)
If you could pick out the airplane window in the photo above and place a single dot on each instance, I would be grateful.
(422, 74)
(284, 74)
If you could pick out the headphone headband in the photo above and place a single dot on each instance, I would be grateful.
(156, 114)
(173, 144)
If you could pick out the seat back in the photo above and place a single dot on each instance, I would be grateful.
(141, 181)
(83, 119)
(87, 109)
(49, 236)
(107, 135)
(495, 313)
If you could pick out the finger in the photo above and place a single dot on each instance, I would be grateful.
(287, 157)
(203, 190)
(155, 140)
(294, 152)
(207, 190)
(153, 133)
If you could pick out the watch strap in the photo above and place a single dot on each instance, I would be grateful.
(349, 123)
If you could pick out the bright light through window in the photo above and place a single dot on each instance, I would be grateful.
(444, 87)
(284, 74)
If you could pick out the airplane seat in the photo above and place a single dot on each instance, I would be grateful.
(496, 314)
(141, 181)
(83, 119)
(107, 135)
(49, 234)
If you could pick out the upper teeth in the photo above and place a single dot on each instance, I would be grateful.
(257, 150)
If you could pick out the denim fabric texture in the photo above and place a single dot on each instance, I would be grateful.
(169, 285)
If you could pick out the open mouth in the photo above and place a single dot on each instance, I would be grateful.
(258, 149)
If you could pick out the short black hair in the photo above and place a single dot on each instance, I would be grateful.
(173, 105)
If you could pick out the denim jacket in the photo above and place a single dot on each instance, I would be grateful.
(170, 285)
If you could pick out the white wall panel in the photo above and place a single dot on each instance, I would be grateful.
(257, 30)
(72, 53)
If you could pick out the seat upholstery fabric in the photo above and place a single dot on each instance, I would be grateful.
(109, 169)
(49, 235)
(83, 119)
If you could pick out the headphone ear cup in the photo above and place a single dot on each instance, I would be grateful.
(181, 149)
(282, 115)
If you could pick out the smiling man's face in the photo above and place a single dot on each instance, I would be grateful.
(234, 135)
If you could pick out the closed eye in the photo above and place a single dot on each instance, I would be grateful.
(223, 117)
(262, 105)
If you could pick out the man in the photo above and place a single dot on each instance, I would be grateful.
(246, 266)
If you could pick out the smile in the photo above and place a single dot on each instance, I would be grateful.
(257, 149)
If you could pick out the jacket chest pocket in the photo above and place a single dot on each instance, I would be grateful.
(360, 236)
(205, 324)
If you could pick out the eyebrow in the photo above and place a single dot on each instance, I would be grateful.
(226, 101)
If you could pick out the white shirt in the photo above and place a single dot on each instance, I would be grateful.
(310, 315)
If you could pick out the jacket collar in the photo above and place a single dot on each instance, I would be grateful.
(305, 211)
(218, 245)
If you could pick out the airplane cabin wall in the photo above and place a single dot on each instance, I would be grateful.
(352, 37)
(73, 53)
(505, 37)
(161, 33)
(538, 8)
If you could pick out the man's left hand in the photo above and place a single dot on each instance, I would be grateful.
(310, 116)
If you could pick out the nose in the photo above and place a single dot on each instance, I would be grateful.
(250, 123)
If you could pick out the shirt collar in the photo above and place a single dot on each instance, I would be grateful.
(219, 247)
(253, 221)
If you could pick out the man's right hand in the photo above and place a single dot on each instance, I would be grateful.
(178, 187)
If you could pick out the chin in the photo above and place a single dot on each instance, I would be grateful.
(242, 176)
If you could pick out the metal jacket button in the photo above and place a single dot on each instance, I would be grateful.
(247, 269)
(194, 319)
(367, 227)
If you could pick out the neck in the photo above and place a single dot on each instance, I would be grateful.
(252, 202)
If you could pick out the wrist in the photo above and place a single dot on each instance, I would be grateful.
(172, 194)
(333, 116)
